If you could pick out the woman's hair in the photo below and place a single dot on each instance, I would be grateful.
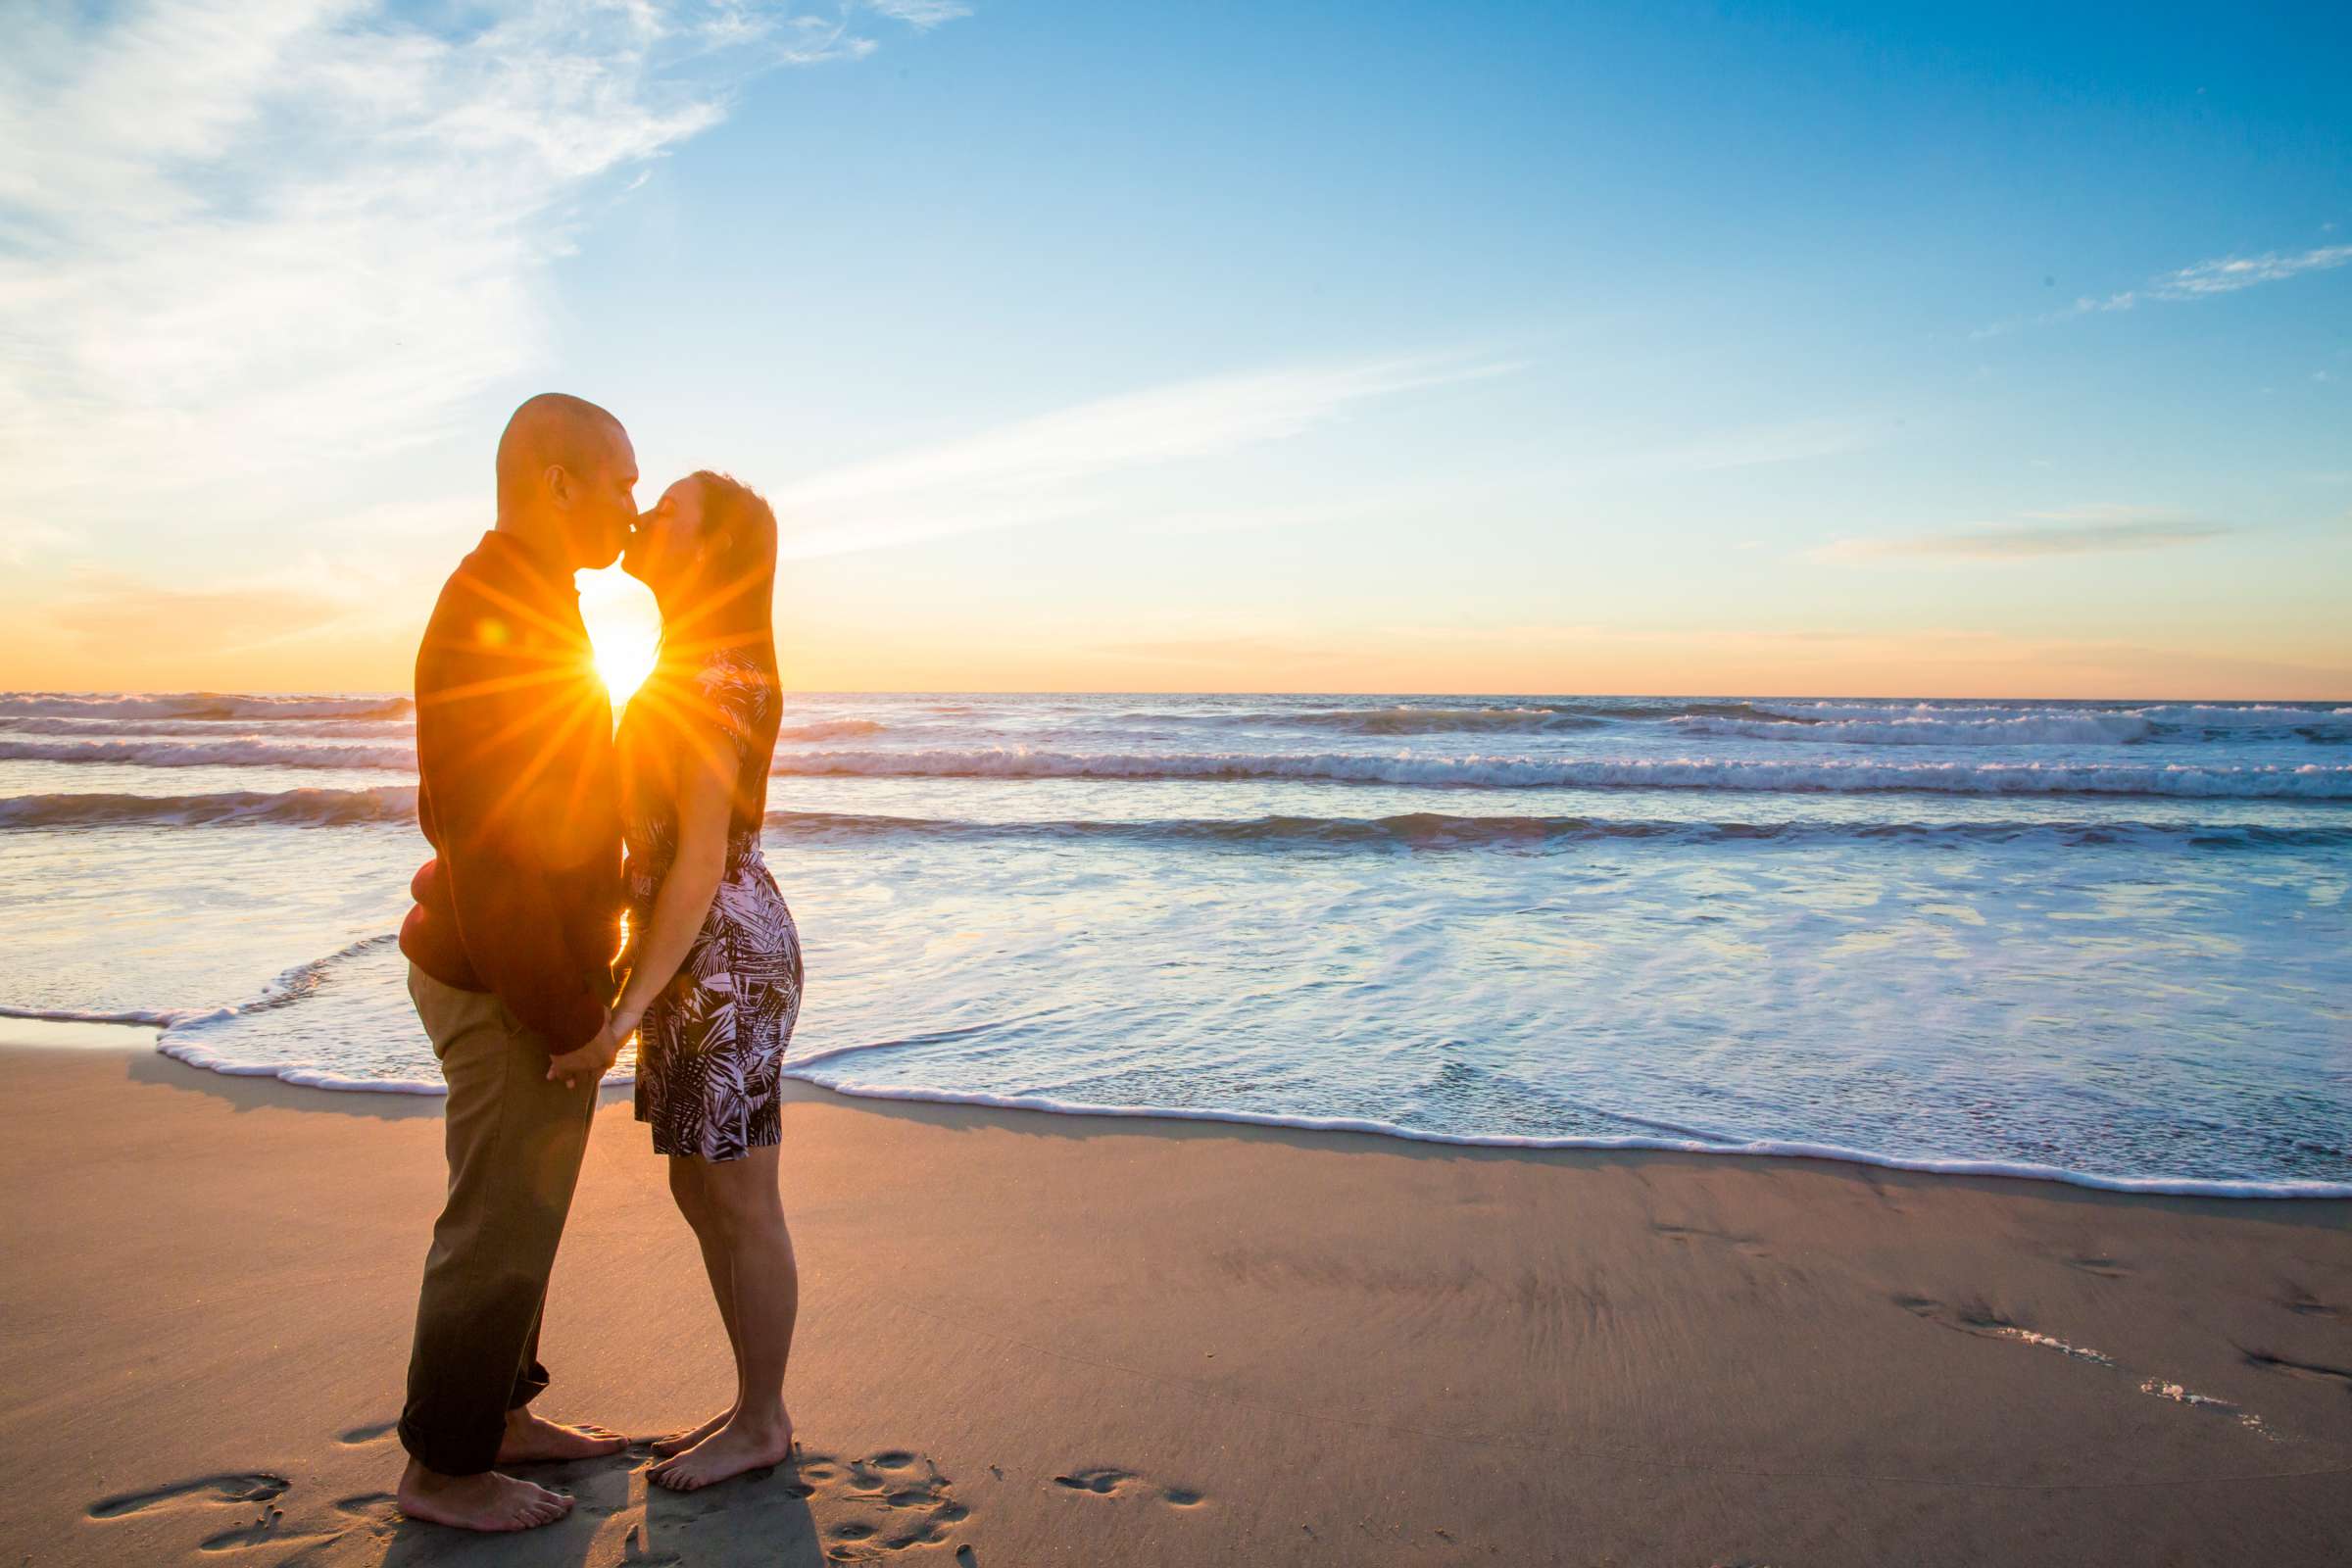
(734, 604)
(733, 607)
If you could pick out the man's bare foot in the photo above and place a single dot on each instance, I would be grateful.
(532, 1439)
(679, 1442)
(487, 1501)
(733, 1448)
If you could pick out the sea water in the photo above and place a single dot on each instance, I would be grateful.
(2099, 942)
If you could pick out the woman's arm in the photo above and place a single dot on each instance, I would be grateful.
(706, 786)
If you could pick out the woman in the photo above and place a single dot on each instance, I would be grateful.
(714, 960)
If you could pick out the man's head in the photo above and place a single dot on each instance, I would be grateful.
(568, 480)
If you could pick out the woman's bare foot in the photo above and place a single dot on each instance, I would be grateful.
(733, 1448)
(487, 1501)
(532, 1439)
(679, 1442)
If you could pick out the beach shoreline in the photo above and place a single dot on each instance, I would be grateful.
(109, 1034)
(1079, 1339)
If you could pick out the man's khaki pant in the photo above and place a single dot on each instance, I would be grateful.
(514, 1147)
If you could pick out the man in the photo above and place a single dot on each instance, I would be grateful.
(509, 949)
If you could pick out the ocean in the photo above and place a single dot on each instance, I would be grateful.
(2105, 943)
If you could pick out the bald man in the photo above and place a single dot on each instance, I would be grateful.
(509, 950)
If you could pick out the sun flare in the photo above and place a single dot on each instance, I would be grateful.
(625, 629)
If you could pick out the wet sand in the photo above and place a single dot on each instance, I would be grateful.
(1031, 1339)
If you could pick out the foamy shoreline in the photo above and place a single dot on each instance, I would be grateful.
(194, 1054)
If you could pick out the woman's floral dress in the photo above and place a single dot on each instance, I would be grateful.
(710, 1047)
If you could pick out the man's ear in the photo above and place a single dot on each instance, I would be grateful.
(558, 485)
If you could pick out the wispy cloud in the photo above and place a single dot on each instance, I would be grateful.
(1744, 447)
(243, 236)
(2225, 275)
(1062, 466)
(2101, 529)
(922, 13)
(1037, 469)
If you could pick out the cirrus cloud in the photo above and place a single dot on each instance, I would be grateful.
(2199, 280)
(2077, 531)
(238, 236)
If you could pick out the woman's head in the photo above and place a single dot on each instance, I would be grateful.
(707, 550)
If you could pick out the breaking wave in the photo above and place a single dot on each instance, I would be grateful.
(2024, 729)
(242, 753)
(2250, 781)
(114, 728)
(211, 706)
(300, 808)
(2285, 717)
(830, 729)
(1428, 830)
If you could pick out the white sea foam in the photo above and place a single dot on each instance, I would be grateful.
(2217, 781)
(196, 1051)
(393, 802)
(2254, 781)
(2024, 729)
(210, 1040)
(218, 729)
(840, 1083)
(155, 1017)
(830, 729)
(2201, 716)
(198, 706)
(1411, 830)
(1406, 718)
(2250, 715)
(209, 754)
(1433, 830)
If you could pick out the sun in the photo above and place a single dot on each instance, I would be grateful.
(625, 629)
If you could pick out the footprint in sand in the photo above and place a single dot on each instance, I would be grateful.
(373, 1432)
(2105, 1267)
(1106, 1480)
(253, 1494)
(2308, 1371)
(371, 1507)
(230, 1488)
(864, 1508)
(1982, 1321)
(1744, 1246)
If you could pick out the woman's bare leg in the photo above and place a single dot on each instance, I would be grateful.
(747, 1215)
(686, 1186)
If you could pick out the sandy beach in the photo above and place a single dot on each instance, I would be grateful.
(1034, 1339)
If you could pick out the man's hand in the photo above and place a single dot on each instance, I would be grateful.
(592, 1060)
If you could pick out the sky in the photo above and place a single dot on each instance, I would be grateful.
(1662, 348)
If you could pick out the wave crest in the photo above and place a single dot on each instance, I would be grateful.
(1437, 831)
(298, 807)
(831, 730)
(242, 753)
(2252, 781)
(207, 706)
(2026, 729)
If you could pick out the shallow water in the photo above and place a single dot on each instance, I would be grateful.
(2097, 941)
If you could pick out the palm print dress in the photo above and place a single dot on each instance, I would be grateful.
(710, 1047)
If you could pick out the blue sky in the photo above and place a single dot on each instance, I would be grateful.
(1400, 348)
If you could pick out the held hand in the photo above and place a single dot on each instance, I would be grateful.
(592, 1060)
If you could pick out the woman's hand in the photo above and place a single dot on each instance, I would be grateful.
(592, 1060)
